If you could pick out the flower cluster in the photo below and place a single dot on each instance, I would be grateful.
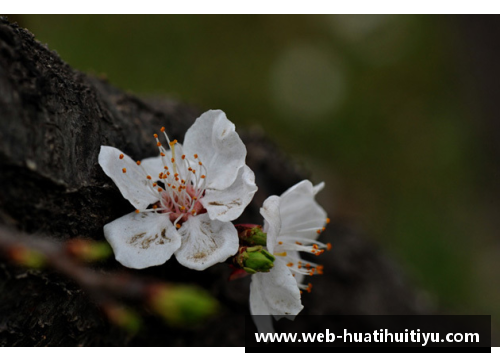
(185, 200)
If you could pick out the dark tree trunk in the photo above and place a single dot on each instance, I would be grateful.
(53, 121)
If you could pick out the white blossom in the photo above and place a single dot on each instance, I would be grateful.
(184, 199)
(292, 222)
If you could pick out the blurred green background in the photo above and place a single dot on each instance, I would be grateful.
(386, 109)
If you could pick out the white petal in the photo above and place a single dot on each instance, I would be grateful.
(318, 188)
(293, 256)
(264, 323)
(206, 242)
(258, 309)
(272, 221)
(278, 290)
(153, 166)
(228, 204)
(301, 215)
(214, 139)
(142, 240)
(133, 184)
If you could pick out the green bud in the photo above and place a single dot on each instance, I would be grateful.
(28, 257)
(255, 259)
(183, 305)
(89, 250)
(252, 234)
(123, 317)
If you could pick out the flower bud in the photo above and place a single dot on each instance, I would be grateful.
(27, 257)
(182, 305)
(251, 234)
(123, 317)
(254, 259)
(89, 250)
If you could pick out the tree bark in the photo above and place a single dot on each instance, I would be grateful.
(53, 120)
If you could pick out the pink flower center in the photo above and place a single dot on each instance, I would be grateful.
(179, 210)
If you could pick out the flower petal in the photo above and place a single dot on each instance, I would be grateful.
(153, 166)
(272, 221)
(318, 188)
(214, 139)
(259, 310)
(206, 242)
(278, 290)
(132, 184)
(301, 215)
(293, 256)
(142, 240)
(228, 204)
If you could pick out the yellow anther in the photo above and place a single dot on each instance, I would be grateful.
(327, 220)
(183, 208)
(162, 154)
(173, 160)
(162, 129)
(280, 242)
(165, 167)
(328, 246)
(154, 184)
(281, 254)
(183, 157)
(124, 170)
(159, 144)
(289, 265)
(178, 226)
(148, 177)
(138, 163)
(195, 155)
(318, 231)
(121, 156)
(155, 207)
(199, 163)
(155, 135)
(298, 243)
(160, 189)
(203, 176)
(137, 211)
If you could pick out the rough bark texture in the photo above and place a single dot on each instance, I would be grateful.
(53, 120)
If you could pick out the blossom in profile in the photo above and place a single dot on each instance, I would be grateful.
(292, 221)
(185, 199)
